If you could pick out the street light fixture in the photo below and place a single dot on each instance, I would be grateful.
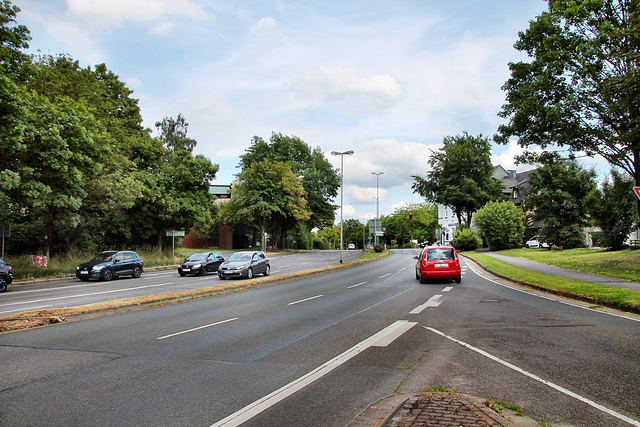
(341, 154)
(377, 174)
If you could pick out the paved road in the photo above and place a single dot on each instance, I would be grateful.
(73, 292)
(320, 351)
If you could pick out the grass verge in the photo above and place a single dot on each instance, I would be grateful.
(35, 318)
(623, 299)
(622, 264)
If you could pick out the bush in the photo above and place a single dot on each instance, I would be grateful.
(378, 247)
(466, 240)
(502, 223)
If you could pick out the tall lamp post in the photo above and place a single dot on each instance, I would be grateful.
(377, 174)
(336, 153)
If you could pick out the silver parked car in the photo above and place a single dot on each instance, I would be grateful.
(245, 264)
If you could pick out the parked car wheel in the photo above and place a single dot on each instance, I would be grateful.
(107, 274)
(267, 271)
(137, 272)
(3, 284)
(250, 273)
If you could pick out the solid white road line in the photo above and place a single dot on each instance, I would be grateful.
(305, 300)
(86, 295)
(384, 275)
(250, 411)
(433, 302)
(537, 378)
(198, 328)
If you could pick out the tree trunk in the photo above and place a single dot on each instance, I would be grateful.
(159, 241)
(47, 239)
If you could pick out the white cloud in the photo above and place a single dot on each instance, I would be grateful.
(365, 195)
(162, 29)
(399, 160)
(507, 157)
(266, 23)
(346, 89)
(101, 14)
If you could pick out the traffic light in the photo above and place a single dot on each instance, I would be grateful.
(410, 215)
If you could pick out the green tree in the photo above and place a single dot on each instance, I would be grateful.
(502, 223)
(330, 235)
(461, 176)
(177, 186)
(352, 232)
(13, 38)
(48, 153)
(319, 179)
(558, 195)
(580, 90)
(614, 209)
(420, 226)
(268, 191)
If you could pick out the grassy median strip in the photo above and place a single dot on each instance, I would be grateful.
(620, 298)
(35, 318)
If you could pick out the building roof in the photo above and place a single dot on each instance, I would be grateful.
(221, 191)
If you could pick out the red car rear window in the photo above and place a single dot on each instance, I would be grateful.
(440, 254)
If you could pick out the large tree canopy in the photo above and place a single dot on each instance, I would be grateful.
(13, 38)
(177, 185)
(582, 87)
(319, 179)
(77, 168)
(268, 194)
(558, 195)
(461, 176)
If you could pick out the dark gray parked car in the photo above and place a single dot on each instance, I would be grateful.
(201, 263)
(110, 264)
(245, 264)
(6, 277)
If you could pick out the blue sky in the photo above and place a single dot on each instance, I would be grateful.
(385, 79)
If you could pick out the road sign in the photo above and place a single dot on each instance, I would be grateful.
(175, 233)
(637, 190)
(379, 233)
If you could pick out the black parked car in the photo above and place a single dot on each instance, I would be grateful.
(110, 264)
(201, 263)
(245, 264)
(6, 277)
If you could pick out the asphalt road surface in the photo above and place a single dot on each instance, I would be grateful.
(319, 351)
(73, 292)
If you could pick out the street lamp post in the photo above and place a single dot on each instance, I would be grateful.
(377, 174)
(342, 154)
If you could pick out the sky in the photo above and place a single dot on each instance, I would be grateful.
(388, 80)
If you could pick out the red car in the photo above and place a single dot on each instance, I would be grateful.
(438, 262)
